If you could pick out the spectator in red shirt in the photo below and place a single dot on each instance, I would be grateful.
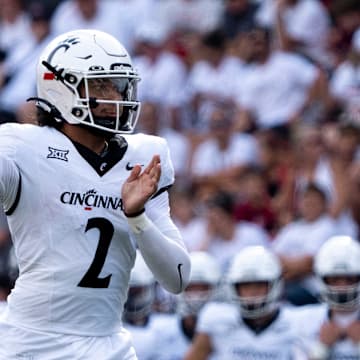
(254, 203)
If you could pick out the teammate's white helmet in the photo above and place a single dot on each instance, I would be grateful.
(205, 275)
(141, 294)
(77, 61)
(140, 274)
(339, 256)
(251, 265)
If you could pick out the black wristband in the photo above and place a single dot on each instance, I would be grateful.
(134, 214)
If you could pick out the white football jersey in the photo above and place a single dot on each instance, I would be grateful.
(171, 342)
(319, 314)
(161, 339)
(143, 338)
(232, 339)
(70, 235)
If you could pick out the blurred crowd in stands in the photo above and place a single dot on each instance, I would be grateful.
(259, 101)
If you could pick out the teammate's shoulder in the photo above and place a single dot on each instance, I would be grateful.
(316, 312)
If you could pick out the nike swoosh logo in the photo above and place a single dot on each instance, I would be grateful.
(180, 275)
(130, 167)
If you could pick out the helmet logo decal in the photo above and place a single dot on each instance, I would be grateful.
(49, 76)
(64, 44)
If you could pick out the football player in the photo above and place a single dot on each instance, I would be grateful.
(334, 329)
(252, 325)
(81, 193)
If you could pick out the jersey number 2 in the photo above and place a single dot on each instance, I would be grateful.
(91, 278)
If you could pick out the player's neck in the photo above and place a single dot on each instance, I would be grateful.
(85, 137)
(261, 323)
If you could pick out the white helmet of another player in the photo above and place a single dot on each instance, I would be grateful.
(141, 294)
(83, 69)
(204, 277)
(337, 266)
(255, 264)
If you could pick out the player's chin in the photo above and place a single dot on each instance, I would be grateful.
(105, 123)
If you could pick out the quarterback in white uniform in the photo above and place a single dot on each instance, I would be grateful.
(253, 327)
(80, 199)
(334, 329)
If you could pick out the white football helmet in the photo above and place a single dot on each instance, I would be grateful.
(74, 63)
(256, 264)
(205, 275)
(339, 257)
(141, 294)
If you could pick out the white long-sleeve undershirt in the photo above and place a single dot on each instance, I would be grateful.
(161, 245)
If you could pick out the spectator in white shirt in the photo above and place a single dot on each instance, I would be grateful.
(163, 74)
(278, 88)
(211, 78)
(20, 67)
(114, 17)
(187, 216)
(302, 26)
(179, 145)
(345, 81)
(199, 15)
(298, 242)
(312, 163)
(14, 26)
(325, 156)
(221, 158)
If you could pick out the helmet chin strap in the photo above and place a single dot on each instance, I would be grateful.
(51, 109)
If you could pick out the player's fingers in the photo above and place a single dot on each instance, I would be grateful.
(155, 172)
(135, 172)
(154, 161)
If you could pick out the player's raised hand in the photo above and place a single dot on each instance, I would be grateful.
(140, 186)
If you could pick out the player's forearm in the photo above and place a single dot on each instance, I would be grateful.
(166, 256)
